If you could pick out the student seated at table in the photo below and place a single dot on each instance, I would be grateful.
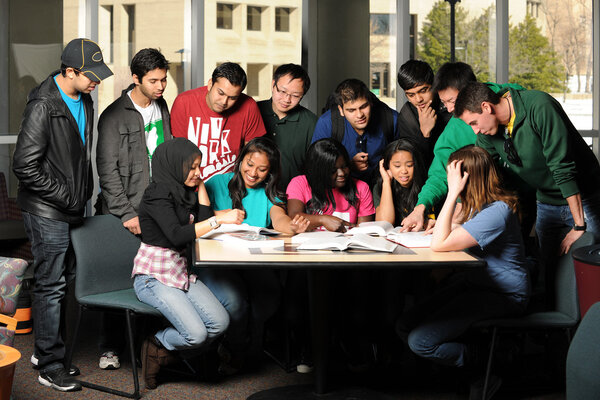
(489, 227)
(250, 296)
(171, 218)
(330, 199)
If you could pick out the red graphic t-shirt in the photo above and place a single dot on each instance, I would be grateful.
(219, 136)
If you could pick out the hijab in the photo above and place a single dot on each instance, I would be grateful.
(171, 164)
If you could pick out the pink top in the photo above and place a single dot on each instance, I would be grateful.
(299, 189)
(165, 265)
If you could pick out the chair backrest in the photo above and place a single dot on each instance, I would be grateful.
(565, 285)
(583, 358)
(3, 197)
(11, 276)
(104, 251)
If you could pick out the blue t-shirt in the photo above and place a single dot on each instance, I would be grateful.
(497, 231)
(375, 143)
(256, 203)
(76, 108)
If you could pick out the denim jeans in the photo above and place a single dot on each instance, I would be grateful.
(434, 326)
(51, 270)
(250, 297)
(196, 315)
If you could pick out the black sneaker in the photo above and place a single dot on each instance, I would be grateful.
(59, 379)
(73, 371)
(476, 389)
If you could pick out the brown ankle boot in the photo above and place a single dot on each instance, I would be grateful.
(150, 362)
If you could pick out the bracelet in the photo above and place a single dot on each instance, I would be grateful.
(580, 227)
(213, 223)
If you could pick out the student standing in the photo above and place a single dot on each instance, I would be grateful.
(53, 163)
(129, 130)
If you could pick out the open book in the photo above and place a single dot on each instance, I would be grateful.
(376, 228)
(341, 242)
(410, 239)
(227, 228)
(247, 239)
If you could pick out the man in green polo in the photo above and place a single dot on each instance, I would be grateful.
(289, 124)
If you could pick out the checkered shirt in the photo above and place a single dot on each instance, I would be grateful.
(165, 265)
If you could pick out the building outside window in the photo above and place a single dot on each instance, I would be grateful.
(224, 16)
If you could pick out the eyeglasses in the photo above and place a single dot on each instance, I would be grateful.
(361, 144)
(511, 152)
(286, 94)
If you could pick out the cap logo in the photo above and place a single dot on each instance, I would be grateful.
(97, 56)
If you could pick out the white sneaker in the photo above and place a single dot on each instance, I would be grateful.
(34, 360)
(109, 360)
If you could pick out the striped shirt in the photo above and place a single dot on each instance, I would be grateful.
(165, 265)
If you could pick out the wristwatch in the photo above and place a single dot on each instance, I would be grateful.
(213, 223)
(580, 227)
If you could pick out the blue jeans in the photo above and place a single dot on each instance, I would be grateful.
(196, 315)
(250, 297)
(434, 326)
(50, 248)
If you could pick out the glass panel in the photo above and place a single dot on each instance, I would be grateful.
(383, 50)
(475, 37)
(551, 50)
(33, 54)
(125, 28)
(224, 16)
(280, 41)
(254, 18)
(282, 19)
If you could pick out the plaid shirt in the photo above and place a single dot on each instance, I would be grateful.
(165, 265)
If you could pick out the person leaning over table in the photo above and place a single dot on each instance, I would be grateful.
(250, 296)
(489, 227)
(172, 215)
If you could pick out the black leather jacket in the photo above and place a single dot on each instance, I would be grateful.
(52, 163)
(122, 158)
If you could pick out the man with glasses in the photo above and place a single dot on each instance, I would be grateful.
(218, 118)
(449, 80)
(53, 162)
(289, 124)
(529, 132)
(362, 123)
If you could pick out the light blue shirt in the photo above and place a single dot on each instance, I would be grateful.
(76, 108)
(256, 203)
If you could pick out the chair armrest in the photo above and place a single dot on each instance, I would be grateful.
(10, 322)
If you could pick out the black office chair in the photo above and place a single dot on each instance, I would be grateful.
(583, 359)
(105, 250)
(565, 315)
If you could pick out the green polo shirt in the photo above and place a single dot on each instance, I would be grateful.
(293, 134)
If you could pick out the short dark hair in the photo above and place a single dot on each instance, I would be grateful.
(471, 97)
(454, 75)
(296, 72)
(350, 90)
(63, 69)
(414, 73)
(232, 72)
(147, 60)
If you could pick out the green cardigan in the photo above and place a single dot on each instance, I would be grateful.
(456, 135)
(557, 162)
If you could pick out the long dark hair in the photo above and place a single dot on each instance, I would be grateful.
(319, 166)
(405, 199)
(237, 188)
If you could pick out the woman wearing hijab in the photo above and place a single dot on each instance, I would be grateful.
(172, 215)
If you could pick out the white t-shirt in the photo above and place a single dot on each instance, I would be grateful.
(153, 125)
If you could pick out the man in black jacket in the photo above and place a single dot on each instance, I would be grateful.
(52, 161)
(422, 118)
(128, 132)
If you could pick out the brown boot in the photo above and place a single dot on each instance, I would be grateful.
(150, 362)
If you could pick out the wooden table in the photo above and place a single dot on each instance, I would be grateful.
(216, 254)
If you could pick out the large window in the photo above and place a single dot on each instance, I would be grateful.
(282, 19)
(254, 14)
(551, 50)
(382, 54)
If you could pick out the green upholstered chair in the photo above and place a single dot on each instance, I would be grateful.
(583, 358)
(565, 315)
(104, 252)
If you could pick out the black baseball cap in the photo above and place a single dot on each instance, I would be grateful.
(86, 56)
